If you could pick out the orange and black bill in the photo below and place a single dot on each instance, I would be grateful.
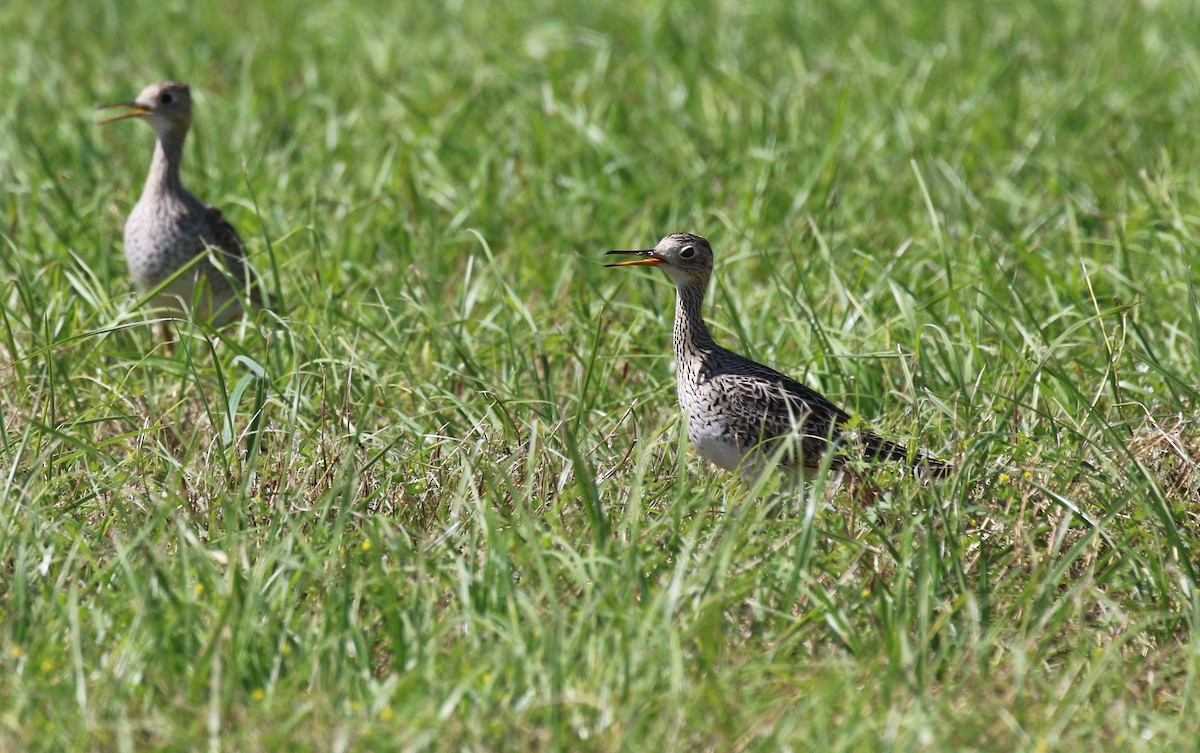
(646, 257)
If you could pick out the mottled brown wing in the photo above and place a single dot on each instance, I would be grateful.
(786, 408)
(775, 408)
(222, 236)
(854, 442)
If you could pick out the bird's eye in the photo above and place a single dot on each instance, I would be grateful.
(687, 252)
(166, 98)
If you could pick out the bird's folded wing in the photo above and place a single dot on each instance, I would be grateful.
(222, 236)
(772, 407)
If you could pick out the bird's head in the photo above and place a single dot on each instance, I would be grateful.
(166, 105)
(687, 258)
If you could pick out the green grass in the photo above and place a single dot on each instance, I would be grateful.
(441, 501)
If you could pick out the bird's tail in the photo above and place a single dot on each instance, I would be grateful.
(877, 448)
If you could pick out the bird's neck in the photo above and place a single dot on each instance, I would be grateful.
(163, 177)
(691, 333)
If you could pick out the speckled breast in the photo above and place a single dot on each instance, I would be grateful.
(159, 242)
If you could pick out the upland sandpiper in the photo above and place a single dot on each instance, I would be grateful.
(740, 412)
(169, 227)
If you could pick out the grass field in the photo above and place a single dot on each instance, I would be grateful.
(442, 501)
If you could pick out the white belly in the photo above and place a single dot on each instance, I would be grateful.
(714, 447)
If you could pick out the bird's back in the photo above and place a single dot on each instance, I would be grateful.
(740, 411)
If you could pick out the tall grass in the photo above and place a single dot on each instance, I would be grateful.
(442, 499)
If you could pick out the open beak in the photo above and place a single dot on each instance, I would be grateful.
(135, 111)
(646, 257)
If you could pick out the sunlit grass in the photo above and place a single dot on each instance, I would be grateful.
(442, 500)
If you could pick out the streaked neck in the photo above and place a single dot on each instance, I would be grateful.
(691, 333)
(163, 177)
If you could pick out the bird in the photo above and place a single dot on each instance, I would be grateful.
(169, 227)
(741, 415)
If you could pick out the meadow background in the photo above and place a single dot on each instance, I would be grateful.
(442, 501)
